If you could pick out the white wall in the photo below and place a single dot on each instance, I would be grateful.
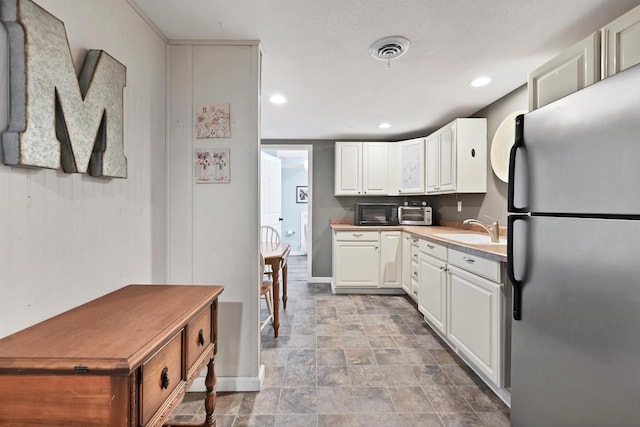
(66, 239)
(213, 228)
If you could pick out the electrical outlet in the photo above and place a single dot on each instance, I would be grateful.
(459, 205)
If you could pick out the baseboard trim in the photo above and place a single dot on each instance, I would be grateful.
(320, 280)
(224, 384)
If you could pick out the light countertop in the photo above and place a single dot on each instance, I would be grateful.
(495, 252)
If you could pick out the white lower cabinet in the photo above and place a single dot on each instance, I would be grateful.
(356, 259)
(367, 259)
(432, 296)
(461, 297)
(390, 259)
(474, 320)
(410, 266)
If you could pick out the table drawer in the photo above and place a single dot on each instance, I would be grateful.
(198, 336)
(434, 249)
(360, 236)
(475, 264)
(165, 365)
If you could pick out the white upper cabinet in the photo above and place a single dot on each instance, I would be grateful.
(572, 70)
(621, 43)
(410, 166)
(361, 168)
(610, 50)
(375, 168)
(456, 158)
(348, 168)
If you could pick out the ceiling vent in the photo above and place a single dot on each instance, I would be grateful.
(389, 48)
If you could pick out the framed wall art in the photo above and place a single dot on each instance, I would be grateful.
(212, 165)
(302, 194)
(212, 121)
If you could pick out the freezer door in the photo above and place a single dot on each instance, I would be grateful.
(581, 154)
(576, 349)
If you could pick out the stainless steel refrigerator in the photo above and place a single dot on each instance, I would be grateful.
(574, 259)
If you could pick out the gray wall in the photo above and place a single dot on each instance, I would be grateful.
(327, 206)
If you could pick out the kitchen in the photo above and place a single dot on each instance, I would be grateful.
(175, 247)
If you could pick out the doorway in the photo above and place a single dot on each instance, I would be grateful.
(286, 198)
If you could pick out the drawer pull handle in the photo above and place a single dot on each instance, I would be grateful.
(164, 378)
(469, 260)
(200, 337)
(431, 246)
(357, 234)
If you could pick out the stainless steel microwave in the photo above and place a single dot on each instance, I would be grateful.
(376, 214)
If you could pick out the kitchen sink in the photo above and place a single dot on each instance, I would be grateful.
(474, 239)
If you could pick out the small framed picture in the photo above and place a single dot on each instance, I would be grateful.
(302, 194)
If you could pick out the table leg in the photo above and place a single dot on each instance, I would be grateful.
(210, 397)
(284, 286)
(275, 267)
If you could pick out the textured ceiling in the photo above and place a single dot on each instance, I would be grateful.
(316, 53)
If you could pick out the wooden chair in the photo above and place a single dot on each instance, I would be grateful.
(269, 234)
(266, 292)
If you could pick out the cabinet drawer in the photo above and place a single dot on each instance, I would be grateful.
(475, 264)
(359, 236)
(415, 270)
(198, 336)
(154, 392)
(433, 249)
(414, 253)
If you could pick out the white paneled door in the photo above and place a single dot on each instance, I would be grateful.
(270, 191)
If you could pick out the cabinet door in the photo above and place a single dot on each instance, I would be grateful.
(448, 153)
(411, 157)
(390, 259)
(432, 293)
(357, 264)
(348, 168)
(406, 262)
(474, 315)
(621, 43)
(375, 161)
(574, 69)
(433, 163)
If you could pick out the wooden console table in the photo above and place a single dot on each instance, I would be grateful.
(125, 359)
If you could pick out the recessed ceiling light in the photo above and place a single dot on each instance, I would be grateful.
(278, 99)
(384, 125)
(480, 81)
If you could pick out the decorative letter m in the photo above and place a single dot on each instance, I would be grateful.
(58, 119)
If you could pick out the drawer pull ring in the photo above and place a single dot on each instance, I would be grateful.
(469, 260)
(200, 338)
(164, 378)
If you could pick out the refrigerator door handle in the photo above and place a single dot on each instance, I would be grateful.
(518, 143)
(516, 283)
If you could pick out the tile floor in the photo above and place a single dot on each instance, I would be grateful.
(354, 360)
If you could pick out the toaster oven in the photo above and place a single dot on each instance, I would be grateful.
(415, 215)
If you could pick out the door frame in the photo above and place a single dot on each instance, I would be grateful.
(309, 149)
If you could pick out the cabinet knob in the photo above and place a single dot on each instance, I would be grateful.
(164, 378)
(200, 337)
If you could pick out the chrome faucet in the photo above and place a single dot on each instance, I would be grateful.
(493, 229)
